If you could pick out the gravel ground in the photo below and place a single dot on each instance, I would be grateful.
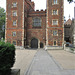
(65, 59)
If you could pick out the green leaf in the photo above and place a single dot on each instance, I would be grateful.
(2, 21)
(70, 1)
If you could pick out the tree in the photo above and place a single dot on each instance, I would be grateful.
(2, 22)
(70, 1)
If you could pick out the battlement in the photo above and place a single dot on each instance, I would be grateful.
(41, 10)
(38, 12)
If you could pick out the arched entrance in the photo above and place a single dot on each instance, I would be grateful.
(41, 45)
(34, 43)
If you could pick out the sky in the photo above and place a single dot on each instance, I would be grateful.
(41, 4)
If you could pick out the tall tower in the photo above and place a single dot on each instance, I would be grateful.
(55, 24)
(15, 22)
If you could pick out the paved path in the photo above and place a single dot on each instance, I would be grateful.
(64, 58)
(23, 59)
(44, 64)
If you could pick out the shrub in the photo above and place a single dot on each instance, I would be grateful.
(7, 58)
(72, 49)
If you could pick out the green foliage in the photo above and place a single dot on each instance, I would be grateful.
(7, 58)
(2, 21)
(70, 1)
(72, 49)
(2, 16)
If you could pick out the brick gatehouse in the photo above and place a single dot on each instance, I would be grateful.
(26, 27)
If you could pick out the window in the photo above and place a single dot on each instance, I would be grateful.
(15, 4)
(55, 43)
(55, 1)
(14, 34)
(14, 23)
(14, 42)
(55, 22)
(36, 22)
(54, 12)
(54, 32)
(14, 13)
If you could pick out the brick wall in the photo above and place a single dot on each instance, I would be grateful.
(51, 27)
(19, 19)
(36, 32)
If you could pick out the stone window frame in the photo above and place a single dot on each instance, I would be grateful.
(40, 22)
(53, 23)
(55, 10)
(55, 2)
(13, 6)
(15, 24)
(13, 14)
(53, 31)
(15, 42)
(14, 33)
(56, 42)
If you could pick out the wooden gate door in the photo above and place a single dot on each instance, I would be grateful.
(34, 43)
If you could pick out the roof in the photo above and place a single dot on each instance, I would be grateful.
(68, 22)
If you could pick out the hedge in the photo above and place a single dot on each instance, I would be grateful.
(7, 58)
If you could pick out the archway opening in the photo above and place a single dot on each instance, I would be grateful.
(34, 43)
(41, 45)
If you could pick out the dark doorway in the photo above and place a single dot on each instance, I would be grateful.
(34, 43)
(41, 45)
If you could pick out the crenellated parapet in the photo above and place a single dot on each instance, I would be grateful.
(37, 13)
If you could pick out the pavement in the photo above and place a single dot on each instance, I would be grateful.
(23, 59)
(43, 63)
(64, 58)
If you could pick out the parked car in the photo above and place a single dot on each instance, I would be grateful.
(68, 44)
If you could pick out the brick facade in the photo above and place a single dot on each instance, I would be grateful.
(59, 26)
(19, 28)
(26, 31)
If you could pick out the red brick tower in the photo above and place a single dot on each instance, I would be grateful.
(55, 26)
(15, 22)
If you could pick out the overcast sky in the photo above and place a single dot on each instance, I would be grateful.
(41, 4)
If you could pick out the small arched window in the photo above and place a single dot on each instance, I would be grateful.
(37, 22)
